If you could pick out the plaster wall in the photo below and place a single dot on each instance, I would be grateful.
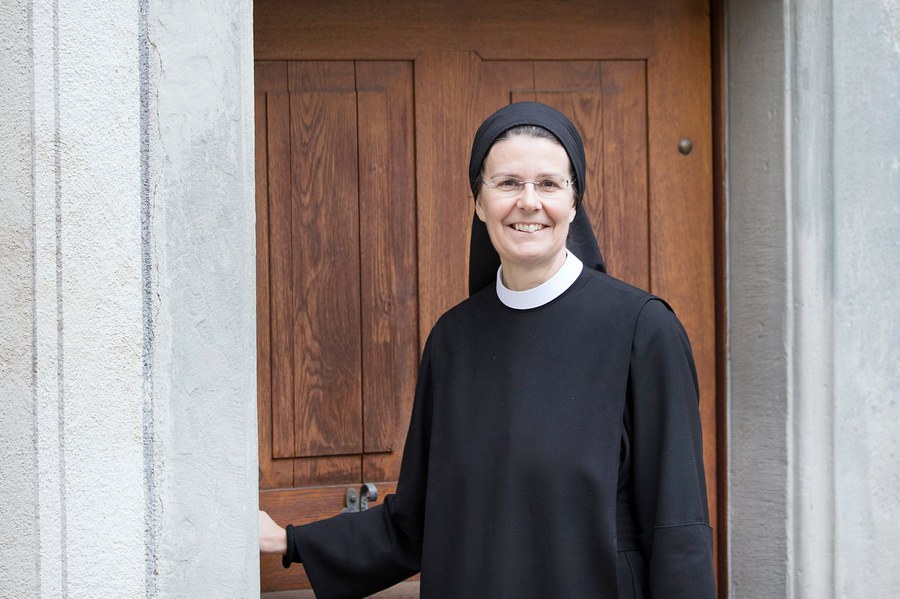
(201, 205)
(127, 372)
(814, 267)
(866, 287)
(18, 509)
(78, 287)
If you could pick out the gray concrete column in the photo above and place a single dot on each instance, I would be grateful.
(18, 463)
(200, 200)
(758, 248)
(814, 271)
(127, 285)
(866, 187)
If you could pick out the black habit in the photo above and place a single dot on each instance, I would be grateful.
(553, 452)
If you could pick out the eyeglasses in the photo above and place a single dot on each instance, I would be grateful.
(550, 187)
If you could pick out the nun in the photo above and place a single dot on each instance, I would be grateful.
(554, 448)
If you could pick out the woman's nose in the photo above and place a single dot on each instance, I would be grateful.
(529, 200)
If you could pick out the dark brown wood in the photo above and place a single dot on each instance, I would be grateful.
(325, 247)
(326, 470)
(496, 30)
(263, 336)
(270, 77)
(624, 218)
(445, 121)
(281, 269)
(387, 209)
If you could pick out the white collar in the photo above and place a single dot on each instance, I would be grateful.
(544, 293)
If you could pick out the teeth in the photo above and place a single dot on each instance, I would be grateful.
(529, 228)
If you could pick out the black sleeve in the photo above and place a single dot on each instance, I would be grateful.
(357, 554)
(668, 482)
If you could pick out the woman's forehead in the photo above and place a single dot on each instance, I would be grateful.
(522, 151)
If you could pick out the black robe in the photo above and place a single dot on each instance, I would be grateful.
(553, 452)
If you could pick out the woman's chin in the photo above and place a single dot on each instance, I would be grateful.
(524, 257)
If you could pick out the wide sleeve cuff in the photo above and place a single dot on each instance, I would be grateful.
(292, 555)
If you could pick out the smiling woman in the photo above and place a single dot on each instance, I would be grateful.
(554, 447)
(527, 204)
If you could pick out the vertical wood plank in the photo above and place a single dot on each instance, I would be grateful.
(387, 212)
(445, 91)
(270, 77)
(263, 337)
(499, 83)
(281, 259)
(325, 245)
(626, 210)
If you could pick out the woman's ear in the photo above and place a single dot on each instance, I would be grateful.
(573, 212)
(479, 209)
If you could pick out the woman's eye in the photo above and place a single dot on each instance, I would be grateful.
(508, 184)
(550, 185)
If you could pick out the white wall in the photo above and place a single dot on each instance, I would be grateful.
(866, 290)
(814, 268)
(128, 338)
(18, 464)
(203, 214)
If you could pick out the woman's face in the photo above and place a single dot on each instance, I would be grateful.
(528, 231)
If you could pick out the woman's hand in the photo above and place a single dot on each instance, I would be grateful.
(272, 538)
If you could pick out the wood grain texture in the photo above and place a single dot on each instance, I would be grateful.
(271, 474)
(625, 216)
(497, 30)
(445, 122)
(325, 268)
(281, 273)
(327, 470)
(270, 77)
(387, 213)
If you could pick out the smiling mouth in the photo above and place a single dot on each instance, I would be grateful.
(527, 228)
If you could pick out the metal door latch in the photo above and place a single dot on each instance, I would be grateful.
(359, 501)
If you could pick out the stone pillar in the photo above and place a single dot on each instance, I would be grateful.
(814, 268)
(18, 464)
(866, 183)
(128, 345)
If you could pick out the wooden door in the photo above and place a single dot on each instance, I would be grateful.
(364, 118)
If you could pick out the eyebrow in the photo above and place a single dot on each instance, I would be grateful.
(518, 176)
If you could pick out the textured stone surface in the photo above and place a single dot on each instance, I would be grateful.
(18, 534)
(204, 246)
(814, 273)
(867, 288)
(127, 351)
(757, 248)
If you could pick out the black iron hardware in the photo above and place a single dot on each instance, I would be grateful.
(359, 501)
